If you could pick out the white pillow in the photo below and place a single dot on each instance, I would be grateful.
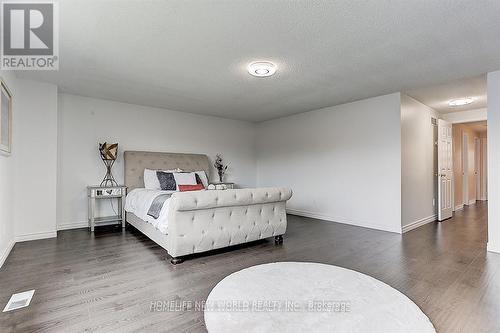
(203, 176)
(184, 178)
(151, 181)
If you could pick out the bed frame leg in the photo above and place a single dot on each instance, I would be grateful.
(176, 260)
(278, 239)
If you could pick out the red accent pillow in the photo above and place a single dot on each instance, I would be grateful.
(185, 188)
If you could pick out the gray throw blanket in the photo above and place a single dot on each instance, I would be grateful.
(157, 204)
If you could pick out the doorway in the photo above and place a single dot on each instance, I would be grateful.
(469, 140)
(460, 104)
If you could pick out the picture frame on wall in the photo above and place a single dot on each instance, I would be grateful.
(5, 118)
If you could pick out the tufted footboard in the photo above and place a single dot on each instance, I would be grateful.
(207, 220)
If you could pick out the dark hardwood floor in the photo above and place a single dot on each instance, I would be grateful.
(107, 281)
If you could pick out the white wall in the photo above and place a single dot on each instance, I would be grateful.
(35, 141)
(7, 184)
(28, 174)
(465, 116)
(83, 122)
(343, 163)
(494, 161)
(417, 164)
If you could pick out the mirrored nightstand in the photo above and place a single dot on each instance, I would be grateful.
(220, 186)
(109, 192)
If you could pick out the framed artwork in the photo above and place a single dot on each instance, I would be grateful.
(5, 118)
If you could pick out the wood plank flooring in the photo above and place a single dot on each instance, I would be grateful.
(106, 282)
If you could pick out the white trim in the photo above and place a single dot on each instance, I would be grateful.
(419, 223)
(36, 235)
(472, 202)
(493, 248)
(477, 165)
(465, 168)
(340, 220)
(484, 169)
(72, 225)
(6, 252)
(24, 238)
(459, 207)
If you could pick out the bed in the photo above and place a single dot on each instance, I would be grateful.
(200, 221)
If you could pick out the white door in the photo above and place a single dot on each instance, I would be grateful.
(445, 171)
(477, 167)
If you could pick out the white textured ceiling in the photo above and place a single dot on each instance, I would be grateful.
(438, 96)
(191, 55)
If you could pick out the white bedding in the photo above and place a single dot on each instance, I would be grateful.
(139, 201)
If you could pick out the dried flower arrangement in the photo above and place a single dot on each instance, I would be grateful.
(221, 168)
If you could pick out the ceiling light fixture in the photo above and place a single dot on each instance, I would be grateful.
(460, 101)
(261, 68)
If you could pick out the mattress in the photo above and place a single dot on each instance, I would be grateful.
(139, 201)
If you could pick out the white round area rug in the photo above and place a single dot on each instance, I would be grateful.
(309, 297)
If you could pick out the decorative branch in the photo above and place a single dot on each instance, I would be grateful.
(221, 168)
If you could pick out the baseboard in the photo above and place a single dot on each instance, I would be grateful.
(6, 252)
(459, 207)
(339, 220)
(36, 235)
(24, 238)
(74, 225)
(472, 202)
(493, 248)
(419, 223)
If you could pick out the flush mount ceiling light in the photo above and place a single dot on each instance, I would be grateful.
(261, 68)
(460, 101)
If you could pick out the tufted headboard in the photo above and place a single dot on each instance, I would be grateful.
(137, 161)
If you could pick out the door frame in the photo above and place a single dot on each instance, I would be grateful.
(465, 168)
(484, 168)
(477, 166)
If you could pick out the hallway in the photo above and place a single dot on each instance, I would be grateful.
(458, 281)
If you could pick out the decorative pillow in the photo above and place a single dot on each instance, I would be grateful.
(198, 180)
(185, 178)
(202, 176)
(151, 181)
(185, 188)
(166, 180)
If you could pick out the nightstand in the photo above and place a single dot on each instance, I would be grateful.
(107, 192)
(221, 186)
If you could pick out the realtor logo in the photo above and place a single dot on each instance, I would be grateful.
(29, 36)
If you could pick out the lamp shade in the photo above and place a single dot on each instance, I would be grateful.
(109, 151)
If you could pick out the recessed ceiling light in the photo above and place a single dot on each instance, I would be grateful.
(261, 68)
(460, 101)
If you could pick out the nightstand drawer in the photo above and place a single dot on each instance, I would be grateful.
(95, 192)
(220, 186)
